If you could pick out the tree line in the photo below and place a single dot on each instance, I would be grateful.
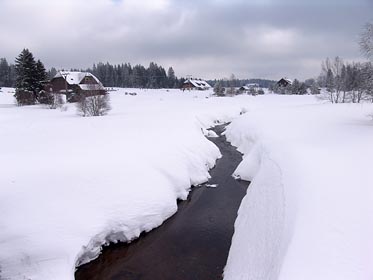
(120, 75)
(297, 87)
(7, 74)
(232, 81)
(138, 76)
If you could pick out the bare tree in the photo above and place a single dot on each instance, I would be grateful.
(57, 101)
(218, 89)
(337, 67)
(53, 100)
(94, 105)
(366, 41)
(232, 83)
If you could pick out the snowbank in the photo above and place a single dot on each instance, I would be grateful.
(69, 184)
(308, 213)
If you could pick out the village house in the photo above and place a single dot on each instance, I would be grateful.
(195, 84)
(252, 87)
(75, 84)
(284, 82)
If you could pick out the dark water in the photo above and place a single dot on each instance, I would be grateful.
(191, 245)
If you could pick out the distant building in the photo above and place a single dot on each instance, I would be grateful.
(75, 84)
(195, 84)
(284, 82)
(249, 87)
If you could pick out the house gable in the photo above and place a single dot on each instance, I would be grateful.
(284, 82)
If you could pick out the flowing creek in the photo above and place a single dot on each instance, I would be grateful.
(191, 245)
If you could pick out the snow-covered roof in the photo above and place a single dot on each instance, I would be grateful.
(91, 87)
(198, 83)
(252, 85)
(75, 77)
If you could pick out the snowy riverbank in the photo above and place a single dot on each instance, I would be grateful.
(308, 213)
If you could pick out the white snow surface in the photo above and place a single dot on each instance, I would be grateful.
(70, 184)
(308, 213)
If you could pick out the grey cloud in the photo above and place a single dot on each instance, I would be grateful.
(210, 38)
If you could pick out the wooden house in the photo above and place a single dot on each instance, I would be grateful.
(75, 85)
(249, 88)
(195, 84)
(284, 82)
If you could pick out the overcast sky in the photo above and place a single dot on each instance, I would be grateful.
(204, 38)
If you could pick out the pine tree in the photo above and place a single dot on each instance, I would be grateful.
(41, 75)
(295, 87)
(26, 81)
(52, 72)
(26, 71)
(171, 77)
(12, 76)
(4, 73)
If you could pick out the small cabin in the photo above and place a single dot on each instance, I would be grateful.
(195, 84)
(75, 84)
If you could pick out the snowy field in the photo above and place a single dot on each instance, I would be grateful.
(69, 184)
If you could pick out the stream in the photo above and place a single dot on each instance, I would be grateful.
(191, 245)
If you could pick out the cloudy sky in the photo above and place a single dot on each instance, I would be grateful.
(204, 38)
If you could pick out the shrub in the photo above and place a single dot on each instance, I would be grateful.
(45, 97)
(52, 99)
(95, 105)
(25, 97)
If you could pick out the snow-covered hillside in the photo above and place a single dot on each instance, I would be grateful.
(70, 184)
(308, 213)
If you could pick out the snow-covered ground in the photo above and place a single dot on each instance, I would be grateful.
(70, 184)
(308, 213)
